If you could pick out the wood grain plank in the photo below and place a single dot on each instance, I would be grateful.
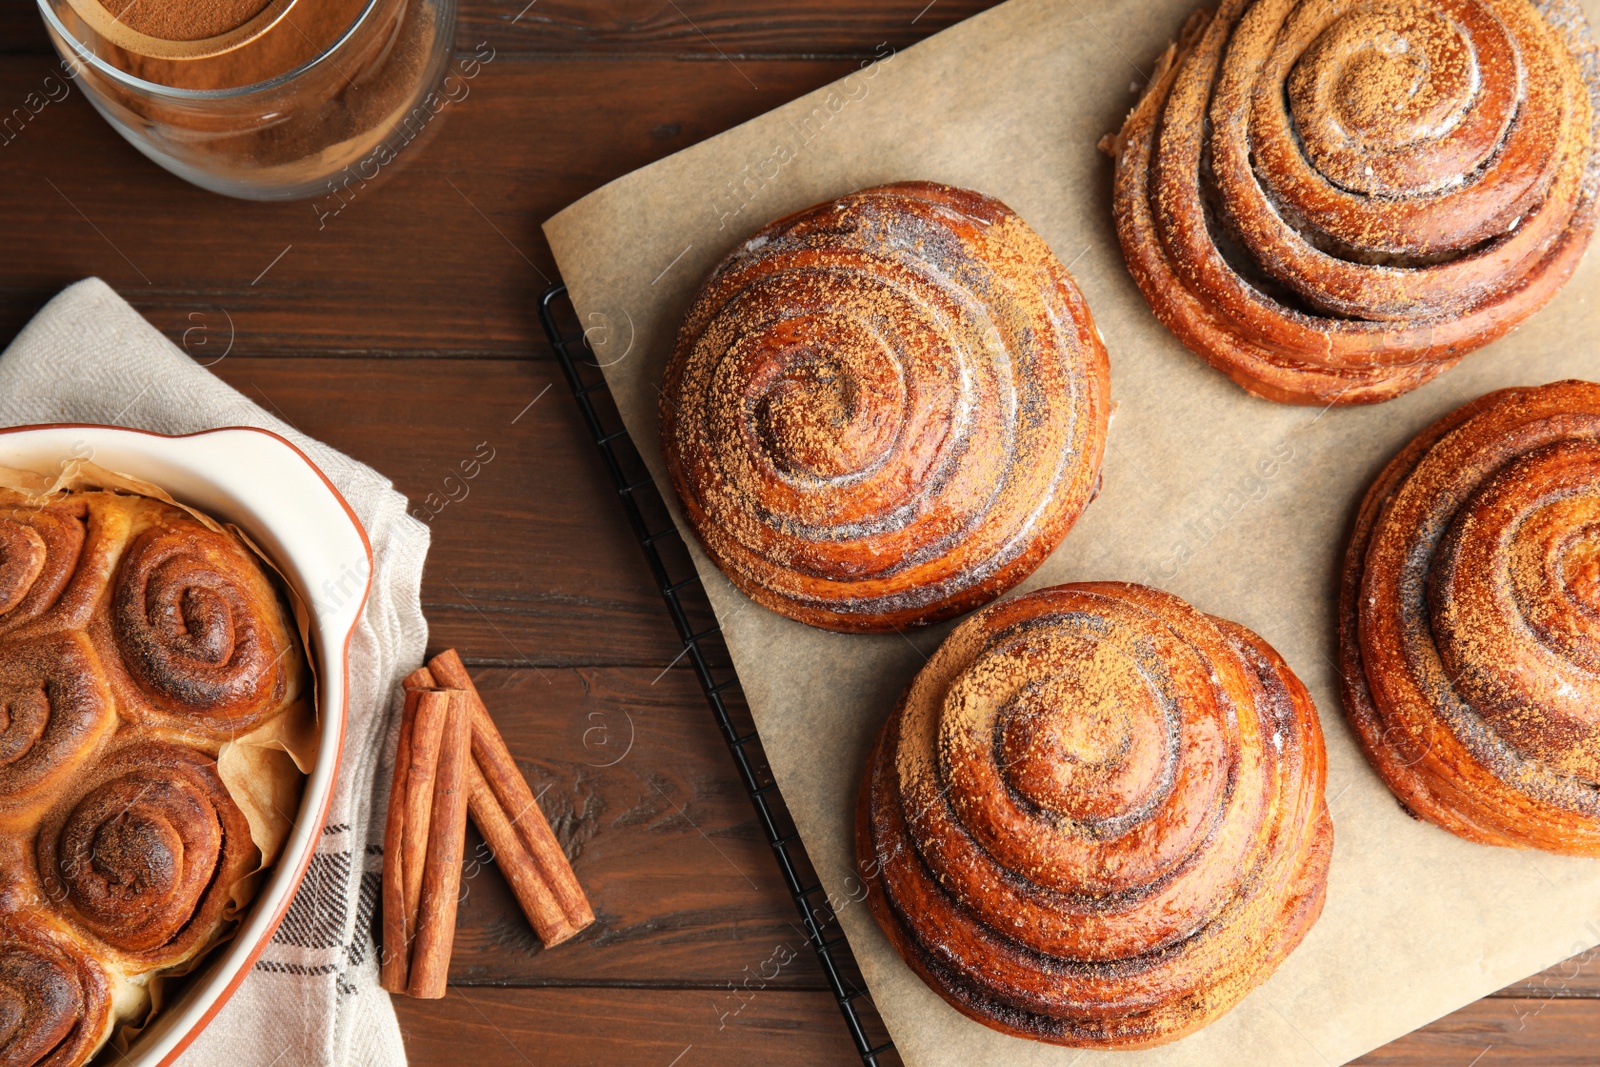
(569, 1027)
(700, 29)
(1578, 977)
(1500, 1033)
(634, 778)
(724, 30)
(442, 257)
(22, 30)
(556, 1027)
(531, 561)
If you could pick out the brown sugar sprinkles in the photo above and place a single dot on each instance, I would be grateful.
(1095, 818)
(1467, 629)
(265, 99)
(1333, 203)
(887, 409)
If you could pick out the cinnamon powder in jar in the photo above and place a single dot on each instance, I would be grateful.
(285, 140)
(192, 21)
(304, 32)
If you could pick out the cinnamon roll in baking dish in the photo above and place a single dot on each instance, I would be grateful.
(1470, 620)
(1096, 817)
(1334, 202)
(134, 642)
(886, 409)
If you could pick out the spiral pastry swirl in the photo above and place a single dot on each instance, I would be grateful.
(886, 409)
(146, 855)
(1334, 202)
(42, 559)
(1096, 817)
(200, 630)
(55, 710)
(55, 1004)
(1470, 620)
(22, 560)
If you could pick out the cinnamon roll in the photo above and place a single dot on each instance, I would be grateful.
(886, 409)
(145, 855)
(1334, 202)
(135, 640)
(1468, 635)
(55, 1002)
(55, 712)
(54, 560)
(200, 630)
(1096, 817)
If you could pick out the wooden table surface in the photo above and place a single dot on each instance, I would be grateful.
(404, 332)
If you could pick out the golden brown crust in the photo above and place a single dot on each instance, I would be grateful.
(1096, 817)
(144, 853)
(1333, 203)
(56, 561)
(134, 642)
(1468, 632)
(55, 1003)
(202, 637)
(55, 713)
(887, 409)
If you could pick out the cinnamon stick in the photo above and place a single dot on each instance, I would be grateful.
(537, 868)
(505, 780)
(395, 965)
(522, 874)
(427, 735)
(447, 832)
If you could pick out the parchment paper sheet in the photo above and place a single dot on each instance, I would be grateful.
(1239, 505)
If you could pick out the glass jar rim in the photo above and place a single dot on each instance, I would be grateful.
(86, 55)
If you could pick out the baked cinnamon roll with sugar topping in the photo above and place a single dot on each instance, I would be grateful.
(886, 409)
(1470, 620)
(1096, 817)
(1334, 202)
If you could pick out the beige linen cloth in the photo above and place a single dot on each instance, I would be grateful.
(313, 998)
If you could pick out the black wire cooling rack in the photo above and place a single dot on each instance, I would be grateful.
(674, 573)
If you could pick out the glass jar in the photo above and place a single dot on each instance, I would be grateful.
(332, 92)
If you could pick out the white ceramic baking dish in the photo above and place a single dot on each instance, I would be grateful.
(271, 490)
